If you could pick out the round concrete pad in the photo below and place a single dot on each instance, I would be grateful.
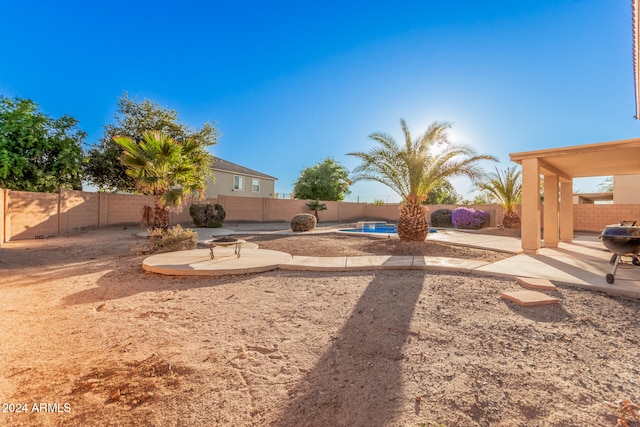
(245, 245)
(198, 262)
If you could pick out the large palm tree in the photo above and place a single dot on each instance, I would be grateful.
(505, 188)
(168, 170)
(413, 169)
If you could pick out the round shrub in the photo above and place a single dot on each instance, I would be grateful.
(442, 218)
(468, 218)
(173, 239)
(207, 215)
(303, 222)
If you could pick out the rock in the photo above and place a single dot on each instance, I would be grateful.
(303, 222)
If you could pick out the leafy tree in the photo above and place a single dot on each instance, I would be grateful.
(442, 193)
(166, 169)
(606, 185)
(505, 188)
(327, 180)
(478, 199)
(37, 152)
(413, 169)
(133, 119)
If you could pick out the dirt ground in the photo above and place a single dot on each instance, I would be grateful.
(88, 338)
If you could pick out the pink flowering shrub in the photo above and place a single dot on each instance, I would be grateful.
(468, 218)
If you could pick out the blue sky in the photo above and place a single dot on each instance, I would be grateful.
(290, 83)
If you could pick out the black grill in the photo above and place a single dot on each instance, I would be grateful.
(623, 240)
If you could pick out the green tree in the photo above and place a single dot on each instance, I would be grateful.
(166, 169)
(505, 188)
(442, 193)
(132, 120)
(327, 180)
(37, 152)
(413, 169)
(478, 199)
(606, 185)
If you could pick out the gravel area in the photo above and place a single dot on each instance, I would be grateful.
(98, 341)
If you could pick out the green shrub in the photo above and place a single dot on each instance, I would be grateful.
(442, 218)
(207, 215)
(174, 239)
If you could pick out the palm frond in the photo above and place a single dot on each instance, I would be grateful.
(504, 187)
(413, 170)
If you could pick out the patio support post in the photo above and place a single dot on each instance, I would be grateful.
(550, 225)
(566, 211)
(531, 206)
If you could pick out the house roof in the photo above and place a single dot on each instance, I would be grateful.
(226, 166)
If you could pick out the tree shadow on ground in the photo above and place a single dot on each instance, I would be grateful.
(129, 279)
(357, 381)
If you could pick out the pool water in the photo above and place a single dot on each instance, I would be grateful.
(373, 228)
(377, 227)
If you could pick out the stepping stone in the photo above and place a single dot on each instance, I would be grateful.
(529, 298)
(533, 283)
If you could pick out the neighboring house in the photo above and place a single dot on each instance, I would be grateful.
(625, 192)
(626, 189)
(231, 179)
(592, 198)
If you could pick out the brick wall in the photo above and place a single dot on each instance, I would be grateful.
(282, 210)
(27, 215)
(596, 217)
(31, 214)
(78, 210)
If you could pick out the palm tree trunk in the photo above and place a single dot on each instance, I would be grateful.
(511, 220)
(413, 224)
(160, 215)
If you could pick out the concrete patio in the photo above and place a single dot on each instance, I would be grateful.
(582, 263)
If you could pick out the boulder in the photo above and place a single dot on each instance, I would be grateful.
(303, 222)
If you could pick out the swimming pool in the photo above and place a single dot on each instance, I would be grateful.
(387, 229)
(376, 228)
(372, 227)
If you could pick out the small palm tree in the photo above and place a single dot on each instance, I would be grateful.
(413, 169)
(316, 206)
(505, 188)
(165, 169)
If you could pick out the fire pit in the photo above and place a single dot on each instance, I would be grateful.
(226, 241)
(623, 240)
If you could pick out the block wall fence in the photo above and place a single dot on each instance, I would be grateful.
(27, 215)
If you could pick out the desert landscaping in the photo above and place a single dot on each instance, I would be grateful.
(98, 341)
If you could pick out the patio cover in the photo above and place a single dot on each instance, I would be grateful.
(559, 166)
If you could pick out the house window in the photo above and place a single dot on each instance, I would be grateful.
(255, 185)
(237, 183)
